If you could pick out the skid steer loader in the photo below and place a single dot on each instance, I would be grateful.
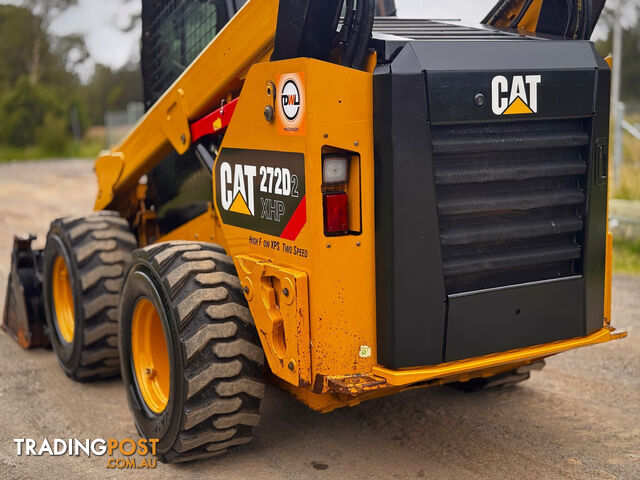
(343, 204)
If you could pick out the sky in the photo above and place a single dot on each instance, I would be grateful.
(101, 21)
(469, 11)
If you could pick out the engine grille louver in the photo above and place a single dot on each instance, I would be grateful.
(511, 201)
(425, 29)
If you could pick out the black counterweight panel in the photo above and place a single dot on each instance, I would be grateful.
(490, 201)
(410, 291)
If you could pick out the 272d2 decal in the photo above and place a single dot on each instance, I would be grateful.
(262, 191)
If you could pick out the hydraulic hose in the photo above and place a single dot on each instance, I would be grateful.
(364, 33)
(359, 32)
(353, 29)
(588, 20)
(346, 26)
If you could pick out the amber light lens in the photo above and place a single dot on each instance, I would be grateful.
(336, 213)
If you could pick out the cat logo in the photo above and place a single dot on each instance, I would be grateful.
(237, 188)
(518, 98)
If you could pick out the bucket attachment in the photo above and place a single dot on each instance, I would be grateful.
(23, 315)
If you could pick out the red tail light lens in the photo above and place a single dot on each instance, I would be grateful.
(336, 213)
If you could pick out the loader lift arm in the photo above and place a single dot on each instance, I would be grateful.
(574, 19)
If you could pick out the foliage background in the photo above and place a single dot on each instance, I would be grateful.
(45, 110)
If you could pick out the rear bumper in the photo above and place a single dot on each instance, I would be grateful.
(349, 390)
(488, 364)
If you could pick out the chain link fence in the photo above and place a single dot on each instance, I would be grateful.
(624, 207)
(119, 123)
(625, 164)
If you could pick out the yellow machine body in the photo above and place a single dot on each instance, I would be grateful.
(319, 338)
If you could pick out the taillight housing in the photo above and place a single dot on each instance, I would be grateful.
(341, 197)
(336, 213)
(336, 166)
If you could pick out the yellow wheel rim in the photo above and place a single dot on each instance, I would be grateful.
(63, 299)
(150, 355)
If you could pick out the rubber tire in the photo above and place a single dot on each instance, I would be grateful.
(215, 355)
(506, 379)
(97, 249)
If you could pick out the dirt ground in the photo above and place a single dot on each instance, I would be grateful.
(578, 418)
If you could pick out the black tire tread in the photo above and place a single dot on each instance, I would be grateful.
(101, 245)
(222, 354)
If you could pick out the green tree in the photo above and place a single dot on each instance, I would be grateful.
(24, 109)
(16, 33)
(37, 91)
(44, 12)
(19, 32)
(22, 113)
(112, 90)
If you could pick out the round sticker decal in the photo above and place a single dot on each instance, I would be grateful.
(290, 98)
(291, 104)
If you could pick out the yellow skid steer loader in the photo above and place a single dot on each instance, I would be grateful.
(344, 203)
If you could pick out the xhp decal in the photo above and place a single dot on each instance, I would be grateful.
(263, 191)
(517, 96)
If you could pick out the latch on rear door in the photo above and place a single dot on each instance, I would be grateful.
(279, 302)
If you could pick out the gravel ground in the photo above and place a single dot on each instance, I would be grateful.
(578, 418)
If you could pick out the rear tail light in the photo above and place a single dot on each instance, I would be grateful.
(341, 192)
(336, 213)
(335, 170)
